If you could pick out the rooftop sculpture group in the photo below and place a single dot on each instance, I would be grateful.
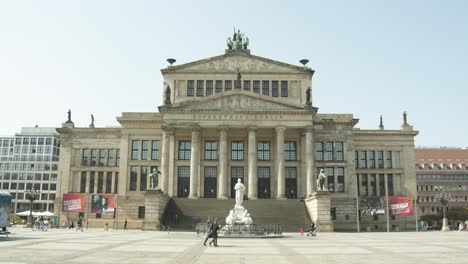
(238, 41)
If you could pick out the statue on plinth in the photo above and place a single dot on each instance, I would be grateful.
(321, 181)
(154, 179)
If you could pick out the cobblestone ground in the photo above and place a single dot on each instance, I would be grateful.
(99, 246)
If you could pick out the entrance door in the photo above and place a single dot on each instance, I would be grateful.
(263, 182)
(291, 182)
(183, 181)
(236, 173)
(210, 182)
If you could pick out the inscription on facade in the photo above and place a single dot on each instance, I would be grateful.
(236, 117)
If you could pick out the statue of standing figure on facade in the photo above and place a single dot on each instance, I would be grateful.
(405, 121)
(154, 179)
(167, 96)
(321, 181)
(240, 190)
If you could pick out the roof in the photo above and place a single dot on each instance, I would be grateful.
(441, 156)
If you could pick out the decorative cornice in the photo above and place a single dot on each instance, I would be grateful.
(89, 131)
(385, 132)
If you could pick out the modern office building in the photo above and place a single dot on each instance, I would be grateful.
(234, 116)
(29, 160)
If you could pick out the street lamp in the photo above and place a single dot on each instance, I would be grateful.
(444, 198)
(31, 195)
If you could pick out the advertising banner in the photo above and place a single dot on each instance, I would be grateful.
(73, 202)
(401, 206)
(103, 204)
(371, 205)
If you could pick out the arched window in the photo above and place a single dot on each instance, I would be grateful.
(435, 166)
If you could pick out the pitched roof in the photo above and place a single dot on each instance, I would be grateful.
(440, 156)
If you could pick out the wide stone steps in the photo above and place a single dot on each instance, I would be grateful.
(184, 214)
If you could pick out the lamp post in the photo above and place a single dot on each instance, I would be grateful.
(31, 195)
(444, 198)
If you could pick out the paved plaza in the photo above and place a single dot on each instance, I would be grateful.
(99, 246)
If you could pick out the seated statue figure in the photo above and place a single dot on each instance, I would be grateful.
(247, 219)
(230, 219)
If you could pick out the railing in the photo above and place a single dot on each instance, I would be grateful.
(253, 230)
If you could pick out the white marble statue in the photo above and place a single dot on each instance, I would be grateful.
(321, 181)
(246, 219)
(230, 219)
(240, 190)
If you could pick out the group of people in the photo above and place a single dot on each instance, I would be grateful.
(79, 225)
(213, 227)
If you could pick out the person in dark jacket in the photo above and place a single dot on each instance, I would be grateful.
(215, 228)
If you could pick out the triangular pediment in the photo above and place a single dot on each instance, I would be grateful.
(237, 60)
(235, 101)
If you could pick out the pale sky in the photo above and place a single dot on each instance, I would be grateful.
(371, 58)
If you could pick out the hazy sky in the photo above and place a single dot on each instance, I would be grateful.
(104, 57)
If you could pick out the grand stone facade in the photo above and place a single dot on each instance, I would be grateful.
(238, 116)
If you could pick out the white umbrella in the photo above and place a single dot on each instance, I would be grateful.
(25, 213)
(46, 213)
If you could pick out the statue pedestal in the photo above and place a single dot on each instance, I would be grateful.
(318, 206)
(155, 204)
(445, 226)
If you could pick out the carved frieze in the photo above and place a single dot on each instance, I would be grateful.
(237, 102)
(244, 64)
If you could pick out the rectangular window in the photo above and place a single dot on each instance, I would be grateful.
(25, 141)
(48, 141)
(84, 160)
(135, 149)
(339, 151)
(330, 179)
(290, 150)
(116, 185)
(382, 184)
(141, 212)
(247, 86)
(83, 182)
(371, 159)
(144, 149)
(200, 87)
(184, 149)
(274, 88)
(117, 159)
(263, 150)
(102, 157)
(133, 178)
(155, 149)
(339, 172)
(264, 172)
(237, 150)
(190, 88)
(143, 177)
(93, 157)
(219, 87)
(227, 85)
(266, 87)
(388, 159)
(373, 185)
(211, 150)
(284, 88)
(390, 184)
(319, 151)
(110, 157)
(328, 151)
(363, 164)
(108, 182)
(364, 184)
(380, 159)
(92, 180)
(209, 88)
(100, 183)
(256, 87)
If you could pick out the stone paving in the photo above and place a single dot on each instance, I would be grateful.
(99, 246)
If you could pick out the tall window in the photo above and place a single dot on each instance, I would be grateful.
(144, 149)
(263, 150)
(237, 150)
(274, 88)
(319, 151)
(100, 182)
(363, 164)
(380, 159)
(210, 150)
(363, 184)
(372, 159)
(339, 151)
(218, 87)
(330, 172)
(209, 88)
(266, 87)
(373, 185)
(247, 86)
(110, 157)
(256, 87)
(263, 172)
(135, 149)
(227, 85)
(328, 151)
(199, 88)
(85, 157)
(184, 149)
(92, 177)
(83, 182)
(388, 159)
(390, 184)
(290, 150)
(154, 149)
(117, 159)
(143, 176)
(339, 172)
(93, 157)
(133, 178)
(102, 157)
(284, 88)
(190, 88)
(108, 182)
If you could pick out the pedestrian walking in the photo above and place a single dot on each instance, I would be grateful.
(125, 224)
(209, 230)
(215, 228)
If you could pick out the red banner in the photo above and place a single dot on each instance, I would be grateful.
(73, 202)
(103, 204)
(401, 206)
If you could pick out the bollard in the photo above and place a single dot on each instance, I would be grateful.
(106, 226)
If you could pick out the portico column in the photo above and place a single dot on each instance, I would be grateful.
(281, 181)
(253, 181)
(309, 160)
(222, 184)
(194, 162)
(163, 182)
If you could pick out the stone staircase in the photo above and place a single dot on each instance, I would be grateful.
(185, 214)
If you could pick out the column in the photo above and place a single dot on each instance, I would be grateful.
(281, 180)
(253, 181)
(113, 182)
(223, 156)
(170, 175)
(309, 160)
(194, 163)
(87, 182)
(163, 180)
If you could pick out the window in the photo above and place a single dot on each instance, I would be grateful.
(133, 178)
(227, 85)
(266, 87)
(256, 87)
(319, 151)
(333, 213)
(92, 177)
(135, 149)
(184, 149)
(363, 184)
(25, 141)
(48, 141)
(264, 172)
(390, 184)
(93, 157)
(117, 160)
(330, 179)
(388, 156)
(200, 88)
(363, 164)
(102, 157)
(190, 87)
(274, 89)
(108, 182)
(373, 185)
(339, 172)
(210, 150)
(339, 151)
(284, 88)
(237, 150)
(141, 212)
(110, 157)
(143, 177)
(40, 141)
(380, 159)
(209, 88)
(247, 86)
(328, 151)
(263, 150)
(85, 158)
(18, 141)
(144, 149)
(100, 181)
(155, 149)
(371, 159)
(219, 87)
(290, 150)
